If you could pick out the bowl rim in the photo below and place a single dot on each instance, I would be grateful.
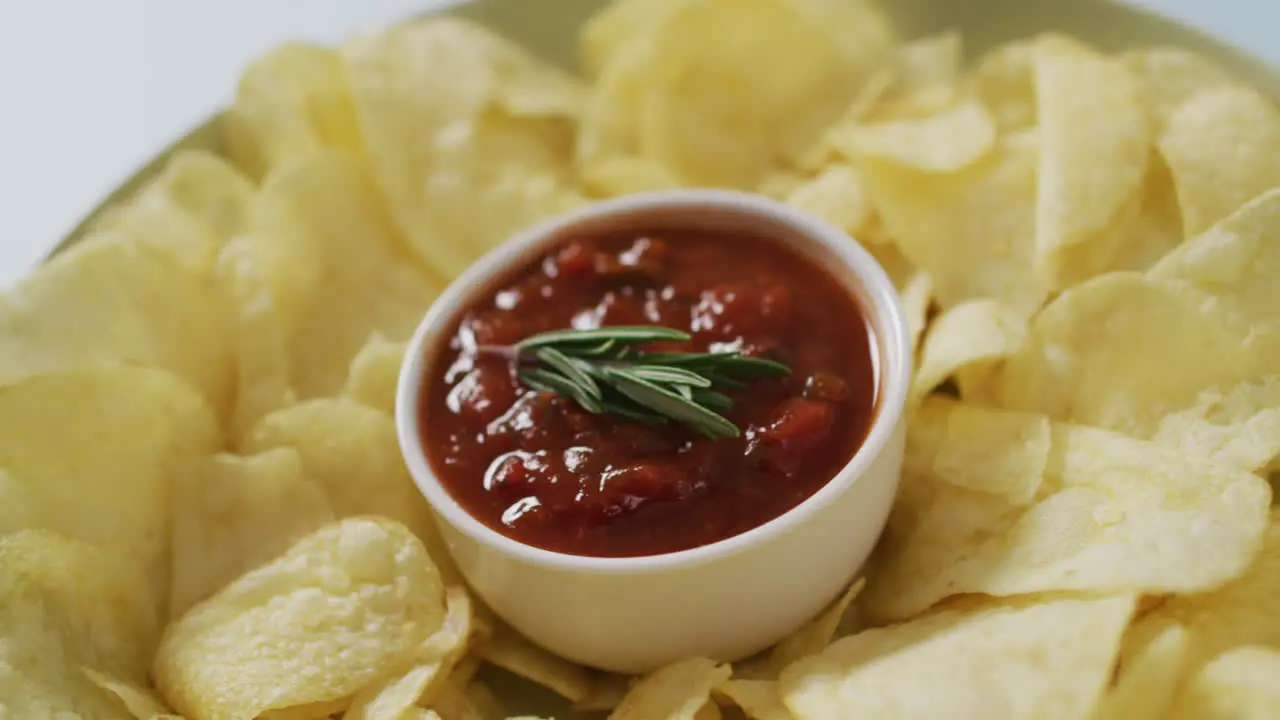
(881, 304)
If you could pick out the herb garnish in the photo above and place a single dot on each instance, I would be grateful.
(603, 371)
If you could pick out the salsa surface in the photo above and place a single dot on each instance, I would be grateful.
(539, 469)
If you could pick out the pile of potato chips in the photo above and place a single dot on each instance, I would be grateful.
(203, 508)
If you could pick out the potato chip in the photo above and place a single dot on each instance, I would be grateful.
(607, 691)
(946, 142)
(1089, 355)
(1148, 682)
(393, 698)
(292, 102)
(1091, 163)
(1114, 514)
(324, 207)
(676, 692)
(1243, 684)
(608, 31)
(112, 301)
(460, 171)
(835, 195)
(809, 639)
(196, 203)
(366, 593)
(759, 699)
(980, 449)
(19, 505)
(967, 230)
(1239, 426)
(1028, 657)
(1002, 79)
(514, 653)
(931, 61)
(142, 703)
(1218, 144)
(1168, 76)
(102, 473)
(232, 514)
(969, 341)
(374, 373)
(1145, 232)
(1244, 611)
(735, 86)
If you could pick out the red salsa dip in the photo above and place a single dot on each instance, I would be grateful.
(542, 470)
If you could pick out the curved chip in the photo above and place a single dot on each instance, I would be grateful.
(374, 373)
(676, 692)
(1242, 684)
(944, 142)
(967, 341)
(1149, 681)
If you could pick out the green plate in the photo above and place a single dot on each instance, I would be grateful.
(550, 28)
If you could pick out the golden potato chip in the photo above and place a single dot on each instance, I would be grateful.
(1218, 144)
(1239, 426)
(810, 638)
(1027, 657)
(326, 208)
(1244, 611)
(291, 102)
(967, 230)
(514, 653)
(1236, 264)
(1242, 684)
(1145, 232)
(759, 699)
(1091, 164)
(256, 337)
(394, 697)
(1168, 76)
(932, 61)
(1002, 79)
(142, 703)
(102, 473)
(364, 590)
(946, 142)
(460, 170)
(1147, 682)
(735, 86)
(967, 341)
(1114, 514)
(1090, 355)
(486, 702)
(232, 514)
(113, 301)
(607, 691)
(196, 203)
(676, 692)
(608, 31)
(374, 373)
(981, 449)
(835, 195)
(19, 505)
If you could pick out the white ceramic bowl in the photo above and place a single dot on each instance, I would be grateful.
(726, 600)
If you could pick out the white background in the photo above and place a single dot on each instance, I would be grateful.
(91, 88)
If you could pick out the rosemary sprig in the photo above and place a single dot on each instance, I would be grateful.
(604, 371)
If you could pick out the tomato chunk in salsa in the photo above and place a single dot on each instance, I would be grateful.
(541, 470)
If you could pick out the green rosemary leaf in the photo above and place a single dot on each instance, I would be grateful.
(572, 370)
(673, 375)
(630, 334)
(545, 381)
(751, 367)
(712, 400)
(672, 405)
(629, 410)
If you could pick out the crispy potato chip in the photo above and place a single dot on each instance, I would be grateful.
(514, 653)
(232, 514)
(1114, 514)
(113, 301)
(366, 593)
(142, 703)
(980, 449)
(676, 692)
(102, 473)
(736, 86)
(1145, 232)
(486, 702)
(1239, 426)
(1243, 684)
(811, 638)
(759, 699)
(196, 203)
(967, 230)
(1002, 79)
(1091, 164)
(1147, 682)
(324, 207)
(967, 341)
(374, 373)
(393, 698)
(1218, 144)
(607, 691)
(291, 102)
(608, 31)
(932, 61)
(1089, 355)
(1168, 76)
(460, 170)
(835, 195)
(946, 142)
(1244, 611)
(1028, 657)
(19, 505)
